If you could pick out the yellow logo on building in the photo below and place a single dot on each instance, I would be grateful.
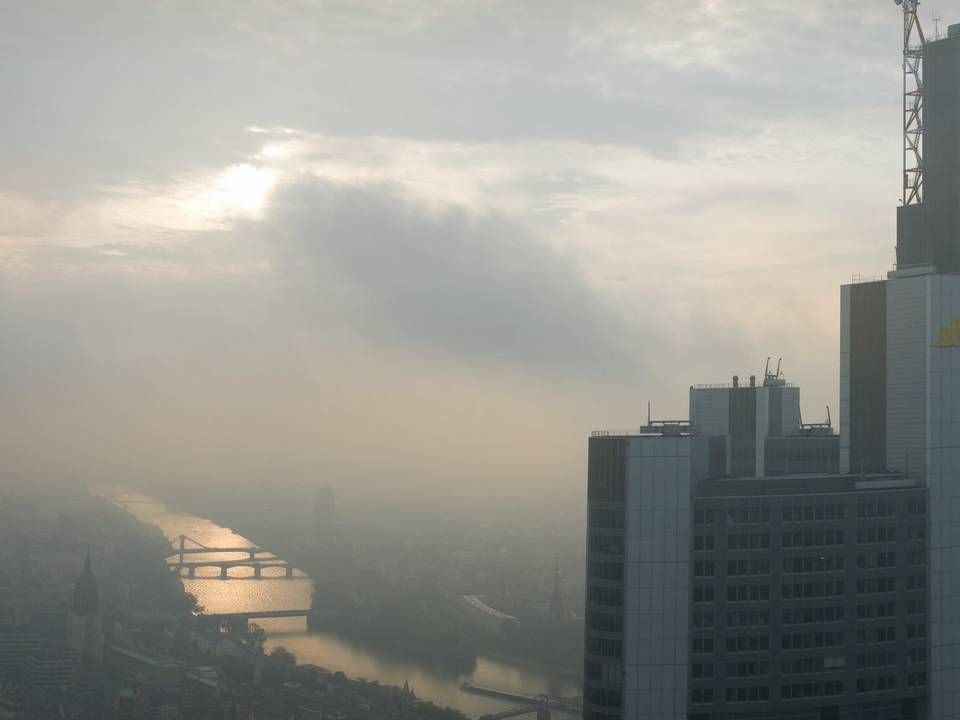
(949, 335)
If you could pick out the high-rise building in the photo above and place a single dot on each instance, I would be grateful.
(746, 566)
(900, 362)
(85, 618)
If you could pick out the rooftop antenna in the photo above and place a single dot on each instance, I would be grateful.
(779, 361)
(648, 413)
(829, 421)
(936, 24)
(912, 103)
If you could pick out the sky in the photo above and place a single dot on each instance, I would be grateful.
(422, 248)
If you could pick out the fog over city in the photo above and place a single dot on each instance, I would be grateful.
(421, 249)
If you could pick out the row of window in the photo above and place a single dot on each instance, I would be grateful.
(797, 691)
(812, 538)
(817, 563)
(805, 641)
(605, 622)
(606, 544)
(751, 668)
(747, 694)
(877, 684)
(810, 513)
(870, 611)
(755, 566)
(748, 618)
(803, 616)
(884, 658)
(879, 509)
(870, 586)
(807, 665)
(610, 519)
(748, 593)
(796, 591)
(606, 596)
(604, 647)
(876, 534)
(606, 570)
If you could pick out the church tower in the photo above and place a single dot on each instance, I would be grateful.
(85, 620)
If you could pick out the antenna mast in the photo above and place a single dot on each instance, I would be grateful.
(913, 42)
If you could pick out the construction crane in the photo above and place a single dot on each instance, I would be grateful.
(913, 42)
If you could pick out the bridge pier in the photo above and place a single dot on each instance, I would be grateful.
(223, 571)
(289, 571)
(258, 572)
(191, 572)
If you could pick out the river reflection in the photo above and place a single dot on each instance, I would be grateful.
(242, 593)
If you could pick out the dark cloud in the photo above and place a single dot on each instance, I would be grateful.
(471, 286)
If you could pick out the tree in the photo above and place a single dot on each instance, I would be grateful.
(282, 656)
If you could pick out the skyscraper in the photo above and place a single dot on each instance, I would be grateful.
(900, 362)
(746, 566)
(84, 618)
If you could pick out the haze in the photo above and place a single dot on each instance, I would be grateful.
(421, 249)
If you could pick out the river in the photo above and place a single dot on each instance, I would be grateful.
(242, 593)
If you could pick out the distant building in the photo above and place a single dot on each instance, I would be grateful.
(52, 668)
(16, 644)
(324, 512)
(85, 618)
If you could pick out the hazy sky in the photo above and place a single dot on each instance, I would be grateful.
(422, 244)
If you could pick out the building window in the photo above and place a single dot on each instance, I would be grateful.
(917, 582)
(883, 658)
(705, 516)
(748, 669)
(878, 509)
(869, 586)
(702, 646)
(805, 641)
(703, 594)
(748, 618)
(799, 616)
(812, 538)
(748, 593)
(747, 694)
(877, 684)
(608, 519)
(748, 643)
(703, 620)
(870, 611)
(817, 563)
(755, 566)
(703, 568)
(876, 635)
(702, 696)
(748, 541)
(700, 671)
(797, 591)
(704, 542)
(876, 535)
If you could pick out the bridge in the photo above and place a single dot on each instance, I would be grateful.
(539, 704)
(256, 558)
(254, 615)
